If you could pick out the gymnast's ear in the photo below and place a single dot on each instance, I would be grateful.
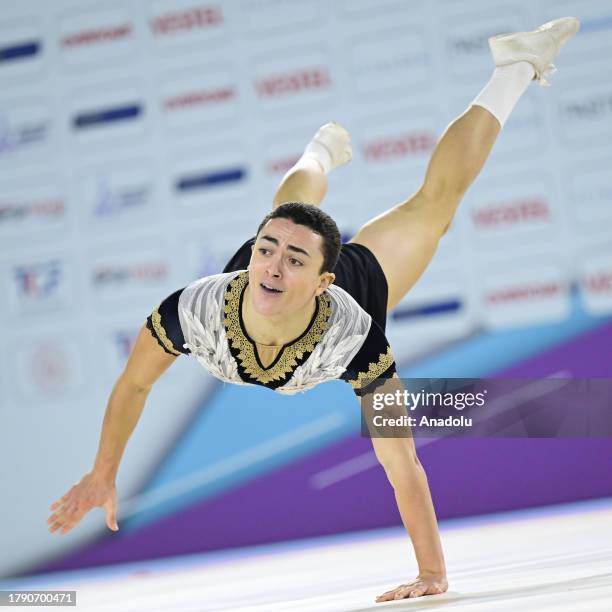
(327, 279)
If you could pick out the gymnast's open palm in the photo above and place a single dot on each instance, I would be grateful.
(91, 492)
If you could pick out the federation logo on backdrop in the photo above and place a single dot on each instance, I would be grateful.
(111, 200)
(39, 287)
(50, 368)
(38, 281)
(22, 132)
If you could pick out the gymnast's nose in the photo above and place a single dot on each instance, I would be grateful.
(273, 267)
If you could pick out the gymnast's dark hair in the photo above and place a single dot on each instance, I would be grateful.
(318, 221)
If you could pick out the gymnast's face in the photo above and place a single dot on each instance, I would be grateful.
(284, 269)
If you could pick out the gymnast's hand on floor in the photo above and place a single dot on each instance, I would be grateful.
(91, 492)
(423, 584)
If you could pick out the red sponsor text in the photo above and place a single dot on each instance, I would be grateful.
(196, 18)
(97, 35)
(512, 213)
(293, 82)
(403, 145)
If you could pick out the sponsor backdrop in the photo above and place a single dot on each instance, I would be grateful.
(140, 145)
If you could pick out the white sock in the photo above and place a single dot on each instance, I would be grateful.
(508, 83)
(321, 153)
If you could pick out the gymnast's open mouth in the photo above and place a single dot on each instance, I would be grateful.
(270, 289)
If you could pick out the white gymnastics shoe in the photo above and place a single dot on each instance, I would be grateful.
(539, 47)
(336, 141)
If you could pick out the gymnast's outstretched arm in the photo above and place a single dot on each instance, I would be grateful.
(147, 362)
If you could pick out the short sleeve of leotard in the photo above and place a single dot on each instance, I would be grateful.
(164, 325)
(374, 360)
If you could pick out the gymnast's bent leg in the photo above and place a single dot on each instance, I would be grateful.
(306, 181)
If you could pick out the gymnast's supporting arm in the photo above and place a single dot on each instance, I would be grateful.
(396, 452)
(147, 362)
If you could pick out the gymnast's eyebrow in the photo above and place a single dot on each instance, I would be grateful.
(291, 247)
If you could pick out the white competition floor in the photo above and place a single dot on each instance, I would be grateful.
(555, 558)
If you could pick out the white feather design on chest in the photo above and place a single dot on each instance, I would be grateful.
(201, 313)
(349, 327)
(325, 363)
(207, 341)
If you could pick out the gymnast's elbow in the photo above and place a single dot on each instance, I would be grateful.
(398, 458)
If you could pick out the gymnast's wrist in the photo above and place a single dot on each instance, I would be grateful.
(432, 574)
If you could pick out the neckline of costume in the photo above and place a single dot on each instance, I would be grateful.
(291, 353)
(281, 346)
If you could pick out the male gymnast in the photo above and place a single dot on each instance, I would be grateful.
(293, 307)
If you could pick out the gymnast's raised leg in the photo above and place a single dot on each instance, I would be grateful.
(405, 237)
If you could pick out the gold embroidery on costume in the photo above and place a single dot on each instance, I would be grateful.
(161, 332)
(288, 359)
(385, 360)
